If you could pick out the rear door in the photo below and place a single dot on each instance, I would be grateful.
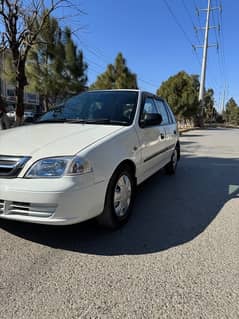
(170, 127)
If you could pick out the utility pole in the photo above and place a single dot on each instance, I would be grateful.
(223, 99)
(204, 59)
(205, 47)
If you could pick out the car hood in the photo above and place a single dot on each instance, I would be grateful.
(57, 139)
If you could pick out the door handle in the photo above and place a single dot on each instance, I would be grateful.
(162, 136)
(174, 132)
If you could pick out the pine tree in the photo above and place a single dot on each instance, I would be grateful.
(210, 112)
(74, 67)
(45, 63)
(116, 76)
(55, 68)
(232, 112)
(181, 92)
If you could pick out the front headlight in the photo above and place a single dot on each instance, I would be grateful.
(59, 166)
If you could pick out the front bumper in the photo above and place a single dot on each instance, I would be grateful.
(61, 201)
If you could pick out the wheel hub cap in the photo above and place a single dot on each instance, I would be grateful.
(174, 159)
(122, 195)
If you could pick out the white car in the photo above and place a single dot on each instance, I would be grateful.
(84, 159)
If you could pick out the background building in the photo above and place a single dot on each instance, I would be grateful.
(8, 91)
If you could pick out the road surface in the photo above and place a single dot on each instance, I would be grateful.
(177, 258)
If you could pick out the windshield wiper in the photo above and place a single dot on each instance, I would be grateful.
(50, 121)
(80, 121)
(98, 121)
(84, 121)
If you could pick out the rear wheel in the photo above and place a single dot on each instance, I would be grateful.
(172, 165)
(119, 199)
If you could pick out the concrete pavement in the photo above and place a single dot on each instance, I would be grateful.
(177, 258)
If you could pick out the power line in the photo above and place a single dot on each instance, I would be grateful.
(182, 29)
(217, 31)
(199, 20)
(93, 70)
(178, 23)
(188, 12)
(221, 39)
(102, 56)
(222, 48)
(95, 63)
(148, 82)
(205, 47)
(99, 54)
(191, 19)
(218, 45)
(97, 72)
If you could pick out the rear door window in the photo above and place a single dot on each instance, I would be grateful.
(161, 109)
(170, 112)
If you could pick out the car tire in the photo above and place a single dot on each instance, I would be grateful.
(119, 199)
(171, 167)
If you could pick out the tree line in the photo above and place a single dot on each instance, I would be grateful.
(43, 56)
(231, 112)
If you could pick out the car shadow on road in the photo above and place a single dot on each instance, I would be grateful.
(182, 143)
(186, 134)
(169, 211)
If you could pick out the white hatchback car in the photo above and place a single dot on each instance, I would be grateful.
(84, 159)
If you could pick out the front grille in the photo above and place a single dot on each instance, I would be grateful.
(10, 166)
(26, 209)
(18, 208)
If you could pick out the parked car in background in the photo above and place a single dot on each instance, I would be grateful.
(84, 159)
(4, 121)
(11, 115)
(29, 116)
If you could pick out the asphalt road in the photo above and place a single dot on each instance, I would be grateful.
(177, 258)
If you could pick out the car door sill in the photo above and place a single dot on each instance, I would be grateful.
(166, 149)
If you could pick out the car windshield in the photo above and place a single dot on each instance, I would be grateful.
(100, 107)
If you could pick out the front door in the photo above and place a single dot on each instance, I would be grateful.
(152, 140)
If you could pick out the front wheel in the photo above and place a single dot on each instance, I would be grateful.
(119, 199)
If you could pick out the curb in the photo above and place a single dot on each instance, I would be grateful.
(181, 131)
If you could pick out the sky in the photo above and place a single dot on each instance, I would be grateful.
(156, 38)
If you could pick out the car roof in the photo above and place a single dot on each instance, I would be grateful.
(127, 90)
(112, 90)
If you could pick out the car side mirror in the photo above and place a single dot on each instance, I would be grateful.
(151, 120)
